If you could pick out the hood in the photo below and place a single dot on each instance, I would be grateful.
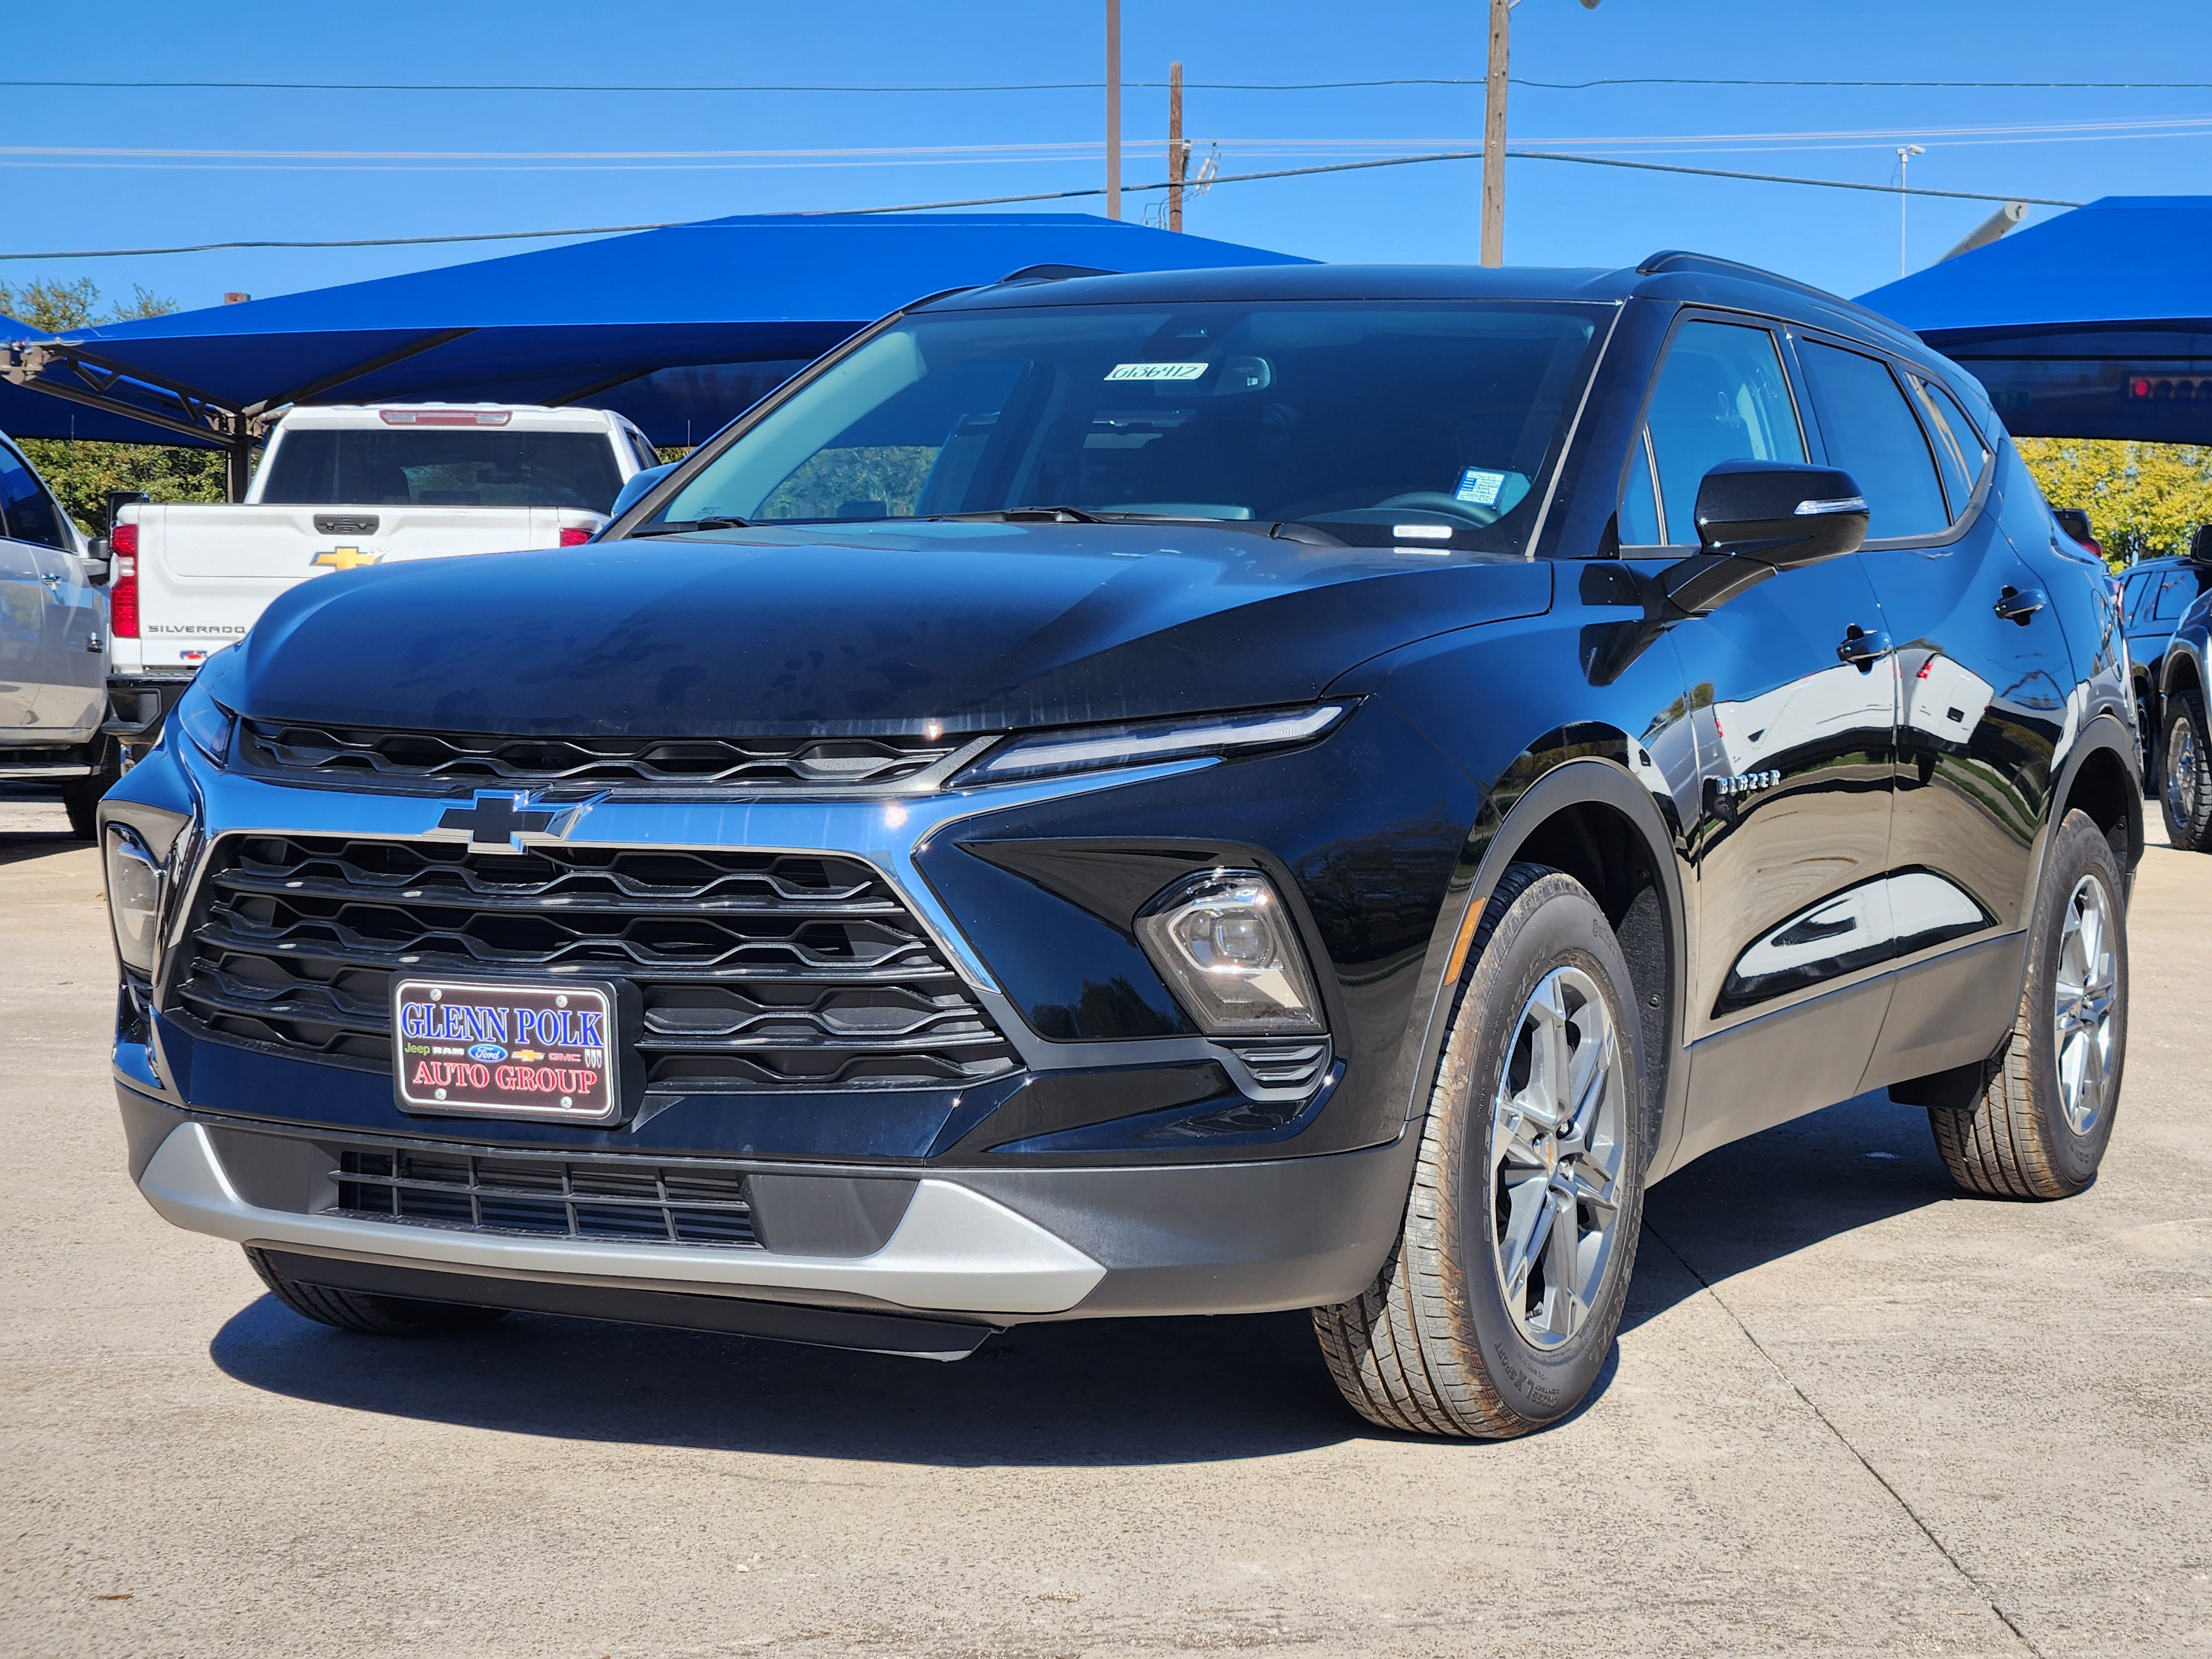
(970, 627)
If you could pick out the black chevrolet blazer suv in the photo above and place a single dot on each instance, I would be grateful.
(1114, 795)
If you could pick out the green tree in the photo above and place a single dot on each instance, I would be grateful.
(79, 471)
(2144, 501)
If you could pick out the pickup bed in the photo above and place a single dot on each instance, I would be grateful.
(336, 488)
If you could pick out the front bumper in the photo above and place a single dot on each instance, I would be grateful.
(994, 1247)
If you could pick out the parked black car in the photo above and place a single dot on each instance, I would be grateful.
(2183, 776)
(1200, 792)
(2155, 593)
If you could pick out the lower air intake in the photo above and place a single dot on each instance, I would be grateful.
(630, 1200)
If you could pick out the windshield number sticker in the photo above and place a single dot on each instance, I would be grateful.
(1478, 488)
(1157, 371)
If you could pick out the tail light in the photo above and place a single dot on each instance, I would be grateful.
(575, 536)
(123, 582)
(445, 417)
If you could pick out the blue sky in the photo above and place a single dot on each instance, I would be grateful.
(2068, 144)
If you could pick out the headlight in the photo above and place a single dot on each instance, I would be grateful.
(133, 897)
(1095, 748)
(1225, 944)
(206, 722)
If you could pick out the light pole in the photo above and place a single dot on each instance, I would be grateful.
(1113, 109)
(1493, 130)
(1904, 154)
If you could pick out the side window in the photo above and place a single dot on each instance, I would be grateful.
(1721, 397)
(27, 511)
(2133, 591)
(2173, 596)
(1960, 454)
(1639, 501)
(1873, 435)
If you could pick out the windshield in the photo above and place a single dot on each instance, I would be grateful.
(402, 468)
(1359, 417)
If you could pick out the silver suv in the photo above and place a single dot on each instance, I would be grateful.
(53, 644)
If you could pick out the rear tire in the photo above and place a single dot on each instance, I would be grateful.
(370, 1315)
(1498, 1308)
(2045, 1117)
(81, 796)
(2184, 774)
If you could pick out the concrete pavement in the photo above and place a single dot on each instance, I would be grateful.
(1851, 1412)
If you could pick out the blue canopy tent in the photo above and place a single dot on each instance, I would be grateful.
(2097, 323)
(678, 329)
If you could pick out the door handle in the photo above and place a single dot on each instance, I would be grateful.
(1861, 649)
(2017, 606)
(50, 581)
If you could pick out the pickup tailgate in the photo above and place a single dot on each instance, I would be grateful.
(206, 573)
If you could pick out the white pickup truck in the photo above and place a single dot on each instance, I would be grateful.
(339, 487)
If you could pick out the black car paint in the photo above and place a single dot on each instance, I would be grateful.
(1502, 704)
(965, 627)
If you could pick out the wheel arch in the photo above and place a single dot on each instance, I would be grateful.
(2180, 670)
(2099, 778)
(1585, 814)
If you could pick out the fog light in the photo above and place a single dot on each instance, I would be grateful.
(133, 897)
(1224, 943)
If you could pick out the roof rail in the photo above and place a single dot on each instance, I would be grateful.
(1051, 274)
(1671, 260)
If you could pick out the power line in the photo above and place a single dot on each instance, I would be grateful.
(1091, 86)
(1059, 196)
(161, 157)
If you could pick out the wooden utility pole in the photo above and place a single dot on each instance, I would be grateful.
(1113, 109)
(1493, 137)
(1178, 150)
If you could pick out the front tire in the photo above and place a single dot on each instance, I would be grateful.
(2184, 774)
(366, 1315)
(2045, 1117)
(1498, 1308)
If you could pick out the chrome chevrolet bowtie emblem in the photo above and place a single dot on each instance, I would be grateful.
(502, 823)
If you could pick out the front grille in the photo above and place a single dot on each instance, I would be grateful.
(755, 970)
(442, 762)
(643, 1203)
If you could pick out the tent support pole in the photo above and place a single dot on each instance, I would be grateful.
(238, 464)
(354, 372)
(62, 370)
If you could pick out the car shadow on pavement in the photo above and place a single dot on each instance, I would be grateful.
(1787, 1189)
(1094, 1392)
(22, 849)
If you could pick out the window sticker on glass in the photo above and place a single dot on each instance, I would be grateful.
(1157, 371)
(1479, 488)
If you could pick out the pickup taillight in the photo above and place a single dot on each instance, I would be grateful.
(573, 537)
(123, 582)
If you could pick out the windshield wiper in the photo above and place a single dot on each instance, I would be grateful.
(1072, 514)
(684, 526)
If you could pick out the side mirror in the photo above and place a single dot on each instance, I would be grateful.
(1756, 518)
(102, 559)
(638, 484)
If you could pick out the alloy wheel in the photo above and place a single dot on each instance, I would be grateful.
(2083, 992)
(2184, 765)
(1556, 1145)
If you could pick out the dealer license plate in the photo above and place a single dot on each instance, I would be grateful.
(494, 1048)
